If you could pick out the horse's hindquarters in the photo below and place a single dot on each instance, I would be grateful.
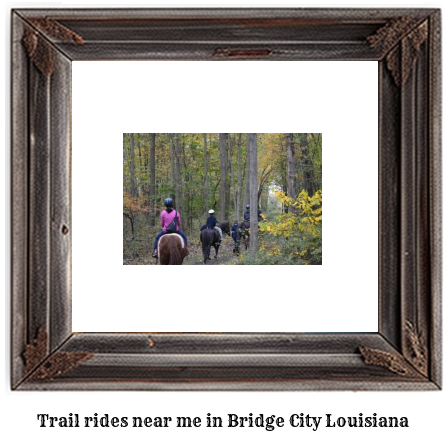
(209, 238)
(171, 250)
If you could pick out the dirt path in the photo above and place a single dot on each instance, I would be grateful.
(225, 256)
(221, 260)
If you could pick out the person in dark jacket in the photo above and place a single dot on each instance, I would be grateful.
(211, 223)
(235, 236)
(211, 220)
(234, 230)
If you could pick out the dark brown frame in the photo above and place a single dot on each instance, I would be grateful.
(405, 354)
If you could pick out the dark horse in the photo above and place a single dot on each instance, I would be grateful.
(209, 238)
(224, 226)
(171, 249)
(244, 233)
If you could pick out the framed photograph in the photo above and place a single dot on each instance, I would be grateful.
(201, 181)
(50, 352)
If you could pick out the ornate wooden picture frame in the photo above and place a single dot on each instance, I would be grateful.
(405, 353)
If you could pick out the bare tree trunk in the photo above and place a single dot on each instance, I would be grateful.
(185, 185)
(239, 180)
(232, 178)
(247, 181)
(264, 201)
(152, 187)
(306, 165)
(252, 152)
(173, 182)
(131, 219)
(291, 172)
(206, 174)
(316, 139)
(139, 166)
(222, 175)
(132, 167)
(125, 161)
(262, 182)
(190, 197)
(178, 196)
(227, 179)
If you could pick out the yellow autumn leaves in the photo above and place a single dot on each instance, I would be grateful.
(300, 228)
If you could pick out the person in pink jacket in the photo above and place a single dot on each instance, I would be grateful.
(166, 217)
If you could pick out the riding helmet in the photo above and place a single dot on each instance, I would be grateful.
(169, 202)
(211, 212)
(247, 206)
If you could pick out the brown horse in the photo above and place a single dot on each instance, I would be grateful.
(171, 249)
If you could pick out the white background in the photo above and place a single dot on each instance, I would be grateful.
(110, 98)
(426, 411)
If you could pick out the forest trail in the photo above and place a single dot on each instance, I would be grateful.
(278, 174)
(220, 261)
(224, 257)
(195, 257)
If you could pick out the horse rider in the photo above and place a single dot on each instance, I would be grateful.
(247, 213)
(211, 220)
(167, 216)
(211, 223)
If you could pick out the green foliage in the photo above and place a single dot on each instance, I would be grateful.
(136, 248)
(265, 258)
